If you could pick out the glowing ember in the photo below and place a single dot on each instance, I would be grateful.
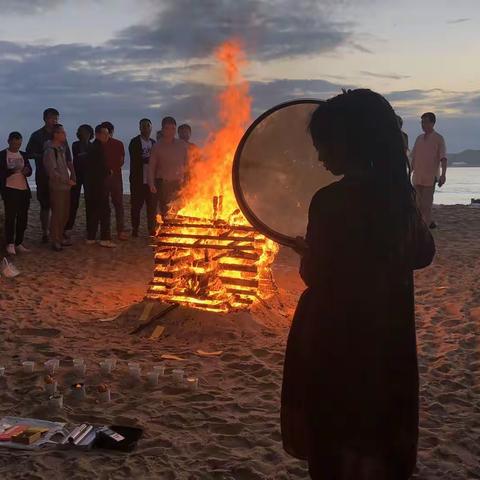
(208, 256)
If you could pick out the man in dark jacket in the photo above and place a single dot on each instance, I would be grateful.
(115, 157)
(14, 189)
(139, 149)
(35, 150)
(80, 151)
(96, 191)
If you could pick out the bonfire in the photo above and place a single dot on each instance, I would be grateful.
(207, 255)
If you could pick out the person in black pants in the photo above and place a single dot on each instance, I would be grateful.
(139, 150)
(96, 191)
(14, 189)
(80, 151)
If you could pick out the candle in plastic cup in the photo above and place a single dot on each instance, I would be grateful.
(106, 367)
(160, 369)
(56, 401)
(77, 361)
(104, 393)
(28, 367)
(2, 371)
(152, 378)
(177, 374)
(51, 388)
(78, 391)
(113, 361)
(192, 383)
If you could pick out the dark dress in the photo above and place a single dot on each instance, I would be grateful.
(350, 375)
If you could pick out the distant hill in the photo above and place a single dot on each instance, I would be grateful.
(467, 158)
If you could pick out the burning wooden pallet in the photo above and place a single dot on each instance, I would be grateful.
(211, 264)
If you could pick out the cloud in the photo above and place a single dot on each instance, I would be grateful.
(458, 20)
(457, 114)
(23, 7)
(152, 71)
(391, 76)
(186, 29)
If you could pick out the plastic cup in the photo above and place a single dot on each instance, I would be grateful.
(78, 391)
(192, 383)
(135, 372)
(28, 367)
(56, 401)
(152, 378)
(51, 388)
(113, 361)
(160, 369)
(106, 367)
(104, 396)
(80, 369)
(177, 375)
(50, 366)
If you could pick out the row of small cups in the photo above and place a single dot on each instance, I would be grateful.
(78, 392)
(159, 370)
(108, 365)
(79, 366)
(29, 366)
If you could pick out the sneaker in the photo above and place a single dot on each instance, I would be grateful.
(45, 238)
(57, 247)
(433, 225)
(21, 249)
(90, 242)
(123, 236)
(107, 244)
(67, 233)
(67, 243)
(11, 249)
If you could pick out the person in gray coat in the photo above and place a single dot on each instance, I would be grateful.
(61, 178)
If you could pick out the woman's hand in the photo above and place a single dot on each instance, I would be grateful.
(300, 246)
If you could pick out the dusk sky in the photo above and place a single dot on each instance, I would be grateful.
(121, 60)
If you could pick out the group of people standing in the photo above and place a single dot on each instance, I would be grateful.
(95, 161)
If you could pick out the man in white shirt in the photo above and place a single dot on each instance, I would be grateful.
(428, 155)
(167, 166)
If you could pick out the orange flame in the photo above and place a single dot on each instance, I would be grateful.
(202, 262)
(211, 176)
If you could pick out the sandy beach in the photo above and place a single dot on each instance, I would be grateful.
(229, 428)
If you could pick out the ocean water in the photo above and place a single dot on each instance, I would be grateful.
(463, 184)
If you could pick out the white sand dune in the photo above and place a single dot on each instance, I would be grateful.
(229, 428)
